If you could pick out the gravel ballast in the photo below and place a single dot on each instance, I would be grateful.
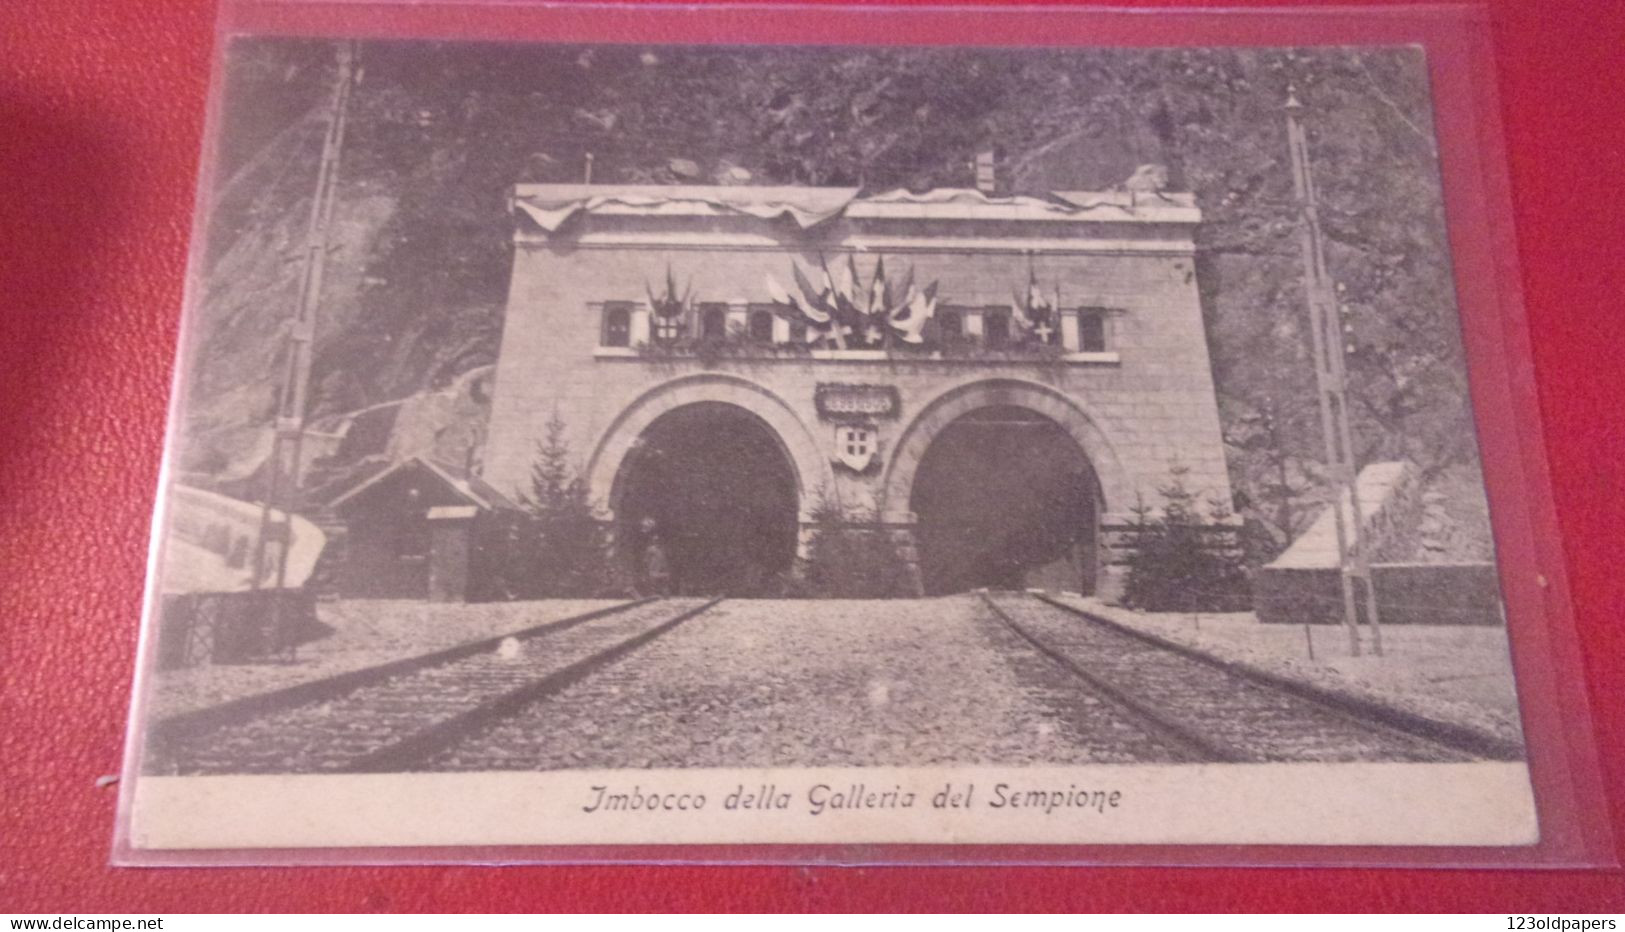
(746, 683)
(361, 633)
(833, 683)
(1449, 673)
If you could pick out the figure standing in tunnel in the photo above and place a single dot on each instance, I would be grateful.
(656, 564)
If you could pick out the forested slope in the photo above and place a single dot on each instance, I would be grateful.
(418, 270)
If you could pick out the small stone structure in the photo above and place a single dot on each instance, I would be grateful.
(416, 530)
(1303, 585)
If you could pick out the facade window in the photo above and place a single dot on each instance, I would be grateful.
(617, 324)
(798, 332)
(996, 326)
(761, 326)
(951, 324)
(1092, 330)
(713, 322)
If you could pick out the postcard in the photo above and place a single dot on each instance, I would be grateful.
(615, 443)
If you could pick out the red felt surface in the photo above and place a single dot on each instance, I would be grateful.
(101, 112)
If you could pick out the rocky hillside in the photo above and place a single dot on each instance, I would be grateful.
(418, 270)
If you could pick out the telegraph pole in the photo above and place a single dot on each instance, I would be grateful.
(283, 475)
(1331, 377)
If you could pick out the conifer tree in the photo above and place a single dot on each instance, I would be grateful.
(852, 556)
(562, 551)
(1180, 561)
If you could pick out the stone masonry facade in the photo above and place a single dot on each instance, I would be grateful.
(1136, 393)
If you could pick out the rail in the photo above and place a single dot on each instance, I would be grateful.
(1368, 713)
(188, 725)
(1171, 733)
(420, 747)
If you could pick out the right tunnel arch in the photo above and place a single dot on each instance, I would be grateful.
(1005, 484)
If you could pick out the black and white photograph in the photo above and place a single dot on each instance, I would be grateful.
(727, 444)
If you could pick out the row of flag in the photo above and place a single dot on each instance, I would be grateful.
(856, 315)
(838, 306)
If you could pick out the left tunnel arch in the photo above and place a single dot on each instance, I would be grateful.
(812, 469)
(706, 504)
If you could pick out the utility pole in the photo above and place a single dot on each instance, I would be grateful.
(1331, 377)
(283, 474)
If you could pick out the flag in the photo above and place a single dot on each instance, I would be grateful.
(813, 303)
(921, 307)
(1018, 311)
(824, 300)
(847, 317)
(1031, 311)
(849, 283)
(842, 286)
(792, 308)
(776, 292)
(877, 288)
(669, 304)
(900, 296)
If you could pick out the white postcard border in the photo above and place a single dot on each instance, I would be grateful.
(1487, 804)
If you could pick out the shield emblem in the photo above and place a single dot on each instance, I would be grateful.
(855, 446)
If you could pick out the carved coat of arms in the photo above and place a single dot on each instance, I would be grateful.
(855, 409)
(856, 446)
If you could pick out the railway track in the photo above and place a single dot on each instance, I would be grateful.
(394, 717)
(1099, 691)
(1210, 710)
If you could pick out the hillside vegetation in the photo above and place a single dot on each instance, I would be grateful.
(438, 132)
